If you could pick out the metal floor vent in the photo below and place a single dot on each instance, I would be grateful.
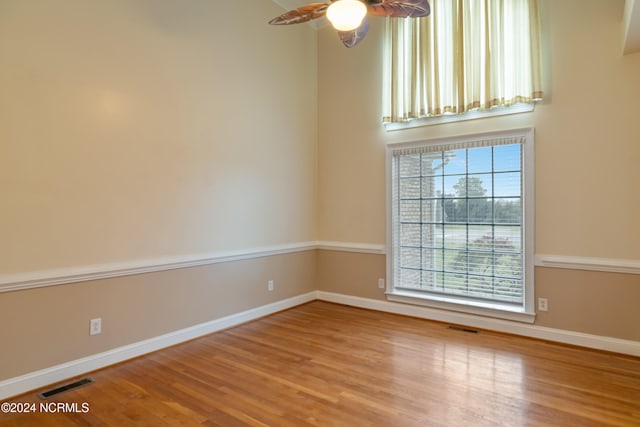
(65, 387)
(461, 329)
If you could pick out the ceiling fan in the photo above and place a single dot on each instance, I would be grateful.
(349, 18)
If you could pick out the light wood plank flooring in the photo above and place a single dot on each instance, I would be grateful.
(323, 364)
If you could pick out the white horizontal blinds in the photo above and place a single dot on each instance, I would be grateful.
(457, 219)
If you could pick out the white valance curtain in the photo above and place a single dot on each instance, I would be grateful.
(468, 54)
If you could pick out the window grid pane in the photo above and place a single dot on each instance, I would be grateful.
(459, 216)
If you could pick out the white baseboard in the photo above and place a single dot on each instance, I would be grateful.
(517, 328)
(43, 377)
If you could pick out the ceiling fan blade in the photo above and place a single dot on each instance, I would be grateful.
(399, 8)
(353, 37)
(301, 14)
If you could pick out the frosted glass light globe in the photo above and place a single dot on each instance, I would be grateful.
(346, 15)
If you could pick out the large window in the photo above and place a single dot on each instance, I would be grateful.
(468, 58)
(460, 223)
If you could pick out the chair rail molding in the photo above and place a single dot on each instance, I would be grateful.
(628, 266)
(61, 276)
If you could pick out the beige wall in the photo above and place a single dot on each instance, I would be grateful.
(596, 303)
(48, 326)
(141, 130)
(128, 130)
(587, 136)
(350, 273)
(587, 157)
(147, 129)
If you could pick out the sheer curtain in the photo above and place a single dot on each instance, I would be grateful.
(467, 55)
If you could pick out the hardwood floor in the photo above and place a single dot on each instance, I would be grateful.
(330, 365)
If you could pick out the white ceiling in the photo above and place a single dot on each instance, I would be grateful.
(630, 22)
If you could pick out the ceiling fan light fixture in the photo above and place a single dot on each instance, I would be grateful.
(346, 15)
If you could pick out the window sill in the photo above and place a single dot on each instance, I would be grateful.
(471, 115)
(486, 309)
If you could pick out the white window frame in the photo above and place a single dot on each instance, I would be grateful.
(524, 313)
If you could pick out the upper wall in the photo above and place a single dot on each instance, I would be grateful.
(132, 130)
(587, 135)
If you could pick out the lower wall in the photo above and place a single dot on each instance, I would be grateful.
(589, 302)
(48, 326)
(351, 273)
(45, 334)
(592, 302)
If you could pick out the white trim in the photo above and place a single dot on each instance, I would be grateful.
(365, 248)
(461, 138)
(38, 279)
(43, 278)
(479, 308)
(470, 115)
(528, 220)
(597, 342)
(628, 266)
(33, 380)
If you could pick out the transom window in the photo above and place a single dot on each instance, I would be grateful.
(460, 212)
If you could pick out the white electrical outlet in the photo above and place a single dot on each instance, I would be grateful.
(381, 283)
(96, 326)
(543, 304)
(270, 285)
